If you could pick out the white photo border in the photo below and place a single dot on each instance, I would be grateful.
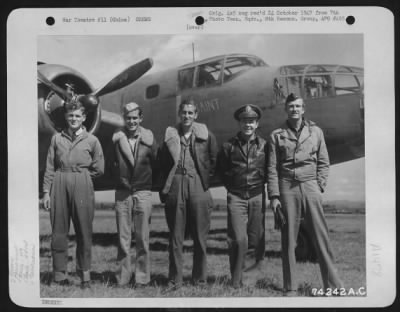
(25, 25)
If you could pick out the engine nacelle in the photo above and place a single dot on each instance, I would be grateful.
(51, 113)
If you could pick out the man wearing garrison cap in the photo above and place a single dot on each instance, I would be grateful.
(298, 167)
(242, 167)
(134, 162)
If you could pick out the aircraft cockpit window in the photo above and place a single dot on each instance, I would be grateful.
(292, 69)
(152, 91)
(185, 78)
(256, 61)
(292, 85)
(316, 86)
(208, 74)
(344, 69)
(316, 69)
(236, 65)
(347, 84)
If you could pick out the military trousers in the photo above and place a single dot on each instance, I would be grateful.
(302, 202)
(133, 210)
(246, 233)
(188, 207)
(72, 197)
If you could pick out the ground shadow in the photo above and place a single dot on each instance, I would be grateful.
(106, 277)
(157, 234)
(267, 284)
(220, 279)
(217, 231)
(46, 277)
(158, 280)
(111, 239)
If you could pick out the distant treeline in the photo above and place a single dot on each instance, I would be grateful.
(339, 206)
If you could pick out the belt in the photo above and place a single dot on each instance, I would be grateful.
(71, 169)
(181, 170)
(184, 171)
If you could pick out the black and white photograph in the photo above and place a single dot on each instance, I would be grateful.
(204, 168)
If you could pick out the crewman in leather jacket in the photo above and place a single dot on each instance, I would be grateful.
(187, 158)
(135, 154)
(242, 167)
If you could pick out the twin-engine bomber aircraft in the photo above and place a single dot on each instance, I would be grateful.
(219, 85)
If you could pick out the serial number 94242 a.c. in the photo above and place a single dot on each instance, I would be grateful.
(334, 292)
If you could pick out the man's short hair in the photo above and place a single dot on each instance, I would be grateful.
(74, 104)
(130, 107)
(187, 102)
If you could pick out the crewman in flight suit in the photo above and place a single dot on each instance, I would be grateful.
(187, 159)
(298, 167)
(243, 170)
(74, 158)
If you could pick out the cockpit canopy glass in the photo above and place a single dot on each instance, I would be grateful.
(216, 71)
(317, 81)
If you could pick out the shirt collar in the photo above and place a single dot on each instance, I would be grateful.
(135, 136)
(293, 129)
(240, 139)
(79, 132)
(185, 140)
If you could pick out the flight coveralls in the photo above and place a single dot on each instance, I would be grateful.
(71, 165)
(298, 168)
(187, 166)
(134, 168)
(242, 167)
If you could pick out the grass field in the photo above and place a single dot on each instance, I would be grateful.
(347, 233)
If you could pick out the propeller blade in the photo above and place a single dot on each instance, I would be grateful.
(126, 77)
(60, 91)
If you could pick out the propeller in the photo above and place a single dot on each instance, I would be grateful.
(60, 91)
(126, 77)
(91, 101)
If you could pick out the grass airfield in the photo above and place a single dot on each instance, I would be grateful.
(347, 233)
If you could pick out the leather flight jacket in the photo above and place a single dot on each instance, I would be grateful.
(204, 147)
(243, 173)
(134, 172)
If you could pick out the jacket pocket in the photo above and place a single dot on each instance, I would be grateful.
(261, 173)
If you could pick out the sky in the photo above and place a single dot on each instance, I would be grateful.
(100, 58)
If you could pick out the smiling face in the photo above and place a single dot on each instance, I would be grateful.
(132, 120)
(295, 109)
(188, 114)
(75, 119)
(248, 126)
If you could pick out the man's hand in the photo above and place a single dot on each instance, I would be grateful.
(279, 217)
(274, 204)
(46, 201)
(163, 197)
